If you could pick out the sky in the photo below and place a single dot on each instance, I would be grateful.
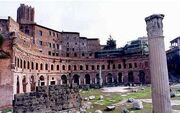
(122, 19)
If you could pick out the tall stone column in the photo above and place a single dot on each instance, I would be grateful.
(158, 64)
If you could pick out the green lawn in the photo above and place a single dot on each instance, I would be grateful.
(114, 98)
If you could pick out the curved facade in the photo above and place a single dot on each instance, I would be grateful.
(42, 56)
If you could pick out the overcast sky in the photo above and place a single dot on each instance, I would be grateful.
(123, 19)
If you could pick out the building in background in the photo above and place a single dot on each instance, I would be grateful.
(173, 60)
(34, 55)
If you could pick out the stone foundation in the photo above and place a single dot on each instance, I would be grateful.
(48, 99)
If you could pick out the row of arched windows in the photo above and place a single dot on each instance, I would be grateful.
(36, 66)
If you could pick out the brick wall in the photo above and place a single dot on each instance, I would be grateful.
(57, 98)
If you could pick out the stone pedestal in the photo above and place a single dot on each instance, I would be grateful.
(158, 65)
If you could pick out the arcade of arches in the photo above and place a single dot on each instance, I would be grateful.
(29, 84)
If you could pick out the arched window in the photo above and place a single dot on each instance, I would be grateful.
(63, 67)
(32, 65)
(114, 66)
(17, 62)
(36, 66)
(130, 65)
(75, 68)
(76, 79)
(119, 66)
(57, 67)
(130, 77)
(20, 63)
(28, 66)
(69, 67)
(24, 64)
(46, 66)
(41, 66)
(52, 67)
(87, 79)
(81, 67)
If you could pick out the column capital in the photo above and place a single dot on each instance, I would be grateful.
(154, 25)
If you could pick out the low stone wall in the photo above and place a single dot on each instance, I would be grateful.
(48, 99)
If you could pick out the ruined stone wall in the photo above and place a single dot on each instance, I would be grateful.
(48, 99)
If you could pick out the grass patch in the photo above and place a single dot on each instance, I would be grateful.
(6, 111)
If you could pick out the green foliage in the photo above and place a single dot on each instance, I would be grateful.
(1, 40)
(111, 44)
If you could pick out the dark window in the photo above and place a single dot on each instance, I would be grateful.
(72, 49)
(119, 66)
(57, 46)
(63, 67)
(135, 64)
(82, 54)
(130, 65)
(20, 63)
(53, 33)
(87, 67)
(97, 67)
(41, 66)
(46, 66)
(67, 54)
(49, 45)
(108, 66)
(28, 66)
(53, 45)
(75, 54)
(57, 54)
(40, 43)
(49, 53)
(50, 33)
(103, 66)
(24, 64)
(92, 67)
(32, 65)
(90, 54)
(53, 54)
(114, 66)
(36, 66)
(67, 49)
(69, 67)
(75, 68)
(57, 34)
(53, 83)
(57, 67)
(52, 67)
(81, 67)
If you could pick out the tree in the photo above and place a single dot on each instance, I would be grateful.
(111, 43)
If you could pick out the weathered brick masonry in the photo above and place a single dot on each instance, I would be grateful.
(48, 99)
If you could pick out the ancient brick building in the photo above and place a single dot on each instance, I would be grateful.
(33, 55)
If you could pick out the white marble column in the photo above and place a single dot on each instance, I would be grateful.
(158, 65)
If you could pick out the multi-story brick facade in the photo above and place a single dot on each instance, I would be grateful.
(37, 56)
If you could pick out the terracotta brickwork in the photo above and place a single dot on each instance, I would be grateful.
(40, 56)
